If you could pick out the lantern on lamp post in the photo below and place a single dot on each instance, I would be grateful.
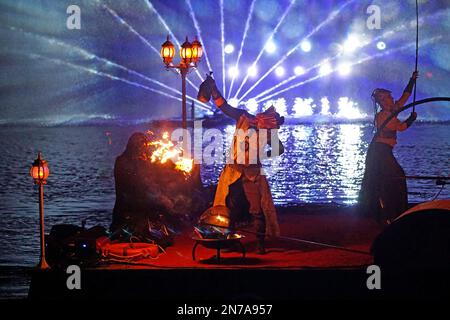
(167, 52)
(197, 50)
(190, 54)
(186, 53)
(39, 172)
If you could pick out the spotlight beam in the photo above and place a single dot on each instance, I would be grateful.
(329, 19)
(102, 74)
(163, 22)
(145, 41)
(87, 55)
(222, 40)
(378, 55)
(404, 26)
(316, 66)
(386, 34)
(274, 31)
(129, 27)
(244, 36)
(199, 32)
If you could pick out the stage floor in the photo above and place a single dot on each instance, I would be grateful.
(289, 271)
(336, 228)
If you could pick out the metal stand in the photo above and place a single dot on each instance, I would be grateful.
(42, 262)
(218, 244)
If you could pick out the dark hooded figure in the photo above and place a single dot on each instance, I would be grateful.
(153, 199)
(131, 173)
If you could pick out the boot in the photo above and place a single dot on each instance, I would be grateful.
(259, 223)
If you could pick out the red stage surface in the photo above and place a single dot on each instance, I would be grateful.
(338, 227)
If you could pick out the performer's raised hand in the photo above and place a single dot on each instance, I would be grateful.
(210, 80)
(215, 93)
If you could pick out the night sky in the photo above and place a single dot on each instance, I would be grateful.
(49, 74)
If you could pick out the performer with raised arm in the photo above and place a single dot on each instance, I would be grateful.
(252, 135)
(384, 192)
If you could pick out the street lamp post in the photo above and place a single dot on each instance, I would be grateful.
(190, 54)
(39, 172)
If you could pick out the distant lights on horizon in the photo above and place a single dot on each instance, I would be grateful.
(229, 48)
(252, 105)
(234, 102)
(270, 47)
(351, 44)
(252, 71)
(381, 45)
(344, 68)
(306, 46)
(280, 71)
(299, 70)
(325, 104)
(305, 107)
(348, 109)
(325, 69)
(233, 72)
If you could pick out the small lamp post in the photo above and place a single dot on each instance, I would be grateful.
(39, 172)
(190, 54)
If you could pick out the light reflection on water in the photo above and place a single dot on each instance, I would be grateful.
(323, 163)
(350, 159)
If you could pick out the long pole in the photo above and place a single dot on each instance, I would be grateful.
(42, 262)
(417, 50)
(321, 244)
(184, 70)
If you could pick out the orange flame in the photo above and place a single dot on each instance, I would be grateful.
(166, 150)
(221, 219)
(184, 165)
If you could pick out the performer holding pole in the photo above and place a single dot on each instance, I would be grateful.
(384, 192)
(253, 134)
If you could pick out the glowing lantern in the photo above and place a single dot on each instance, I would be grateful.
(197, 50)
(39, 170)
(190, 55)
(167, 51)
(186, 53)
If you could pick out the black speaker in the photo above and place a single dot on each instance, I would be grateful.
(418, 239)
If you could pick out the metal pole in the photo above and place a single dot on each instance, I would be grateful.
(183, 71)
(417, 51)
(42, 263)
